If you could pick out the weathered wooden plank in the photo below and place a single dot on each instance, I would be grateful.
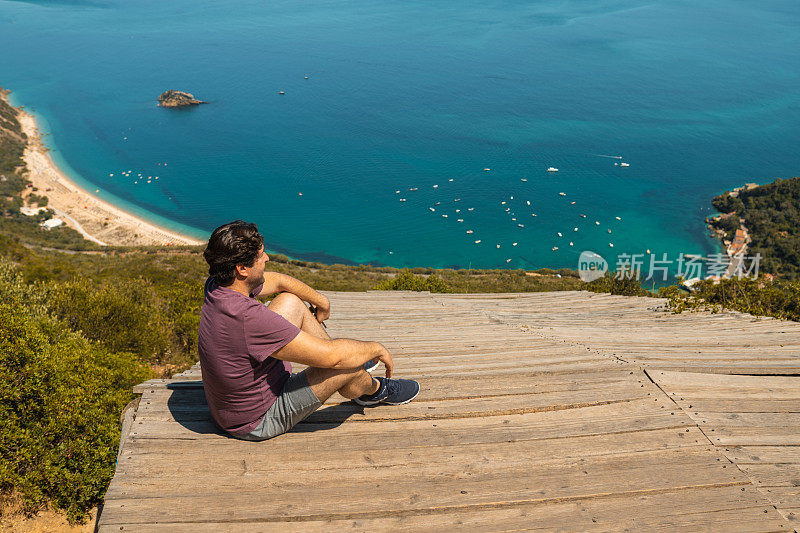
(445, 409)
(762, 454)
(608, 418)
(680, 381)
(742, 404)
(727, 508)
(432, 486)
(774, 475)
(286, 455)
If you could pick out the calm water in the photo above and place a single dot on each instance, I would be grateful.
(697, 96)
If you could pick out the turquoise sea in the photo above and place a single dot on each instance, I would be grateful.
(696, 96)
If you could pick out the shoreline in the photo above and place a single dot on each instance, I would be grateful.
(96, 219)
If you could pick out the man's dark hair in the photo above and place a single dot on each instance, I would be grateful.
(234, 243)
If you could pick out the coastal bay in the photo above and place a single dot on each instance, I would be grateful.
(97, 220)
(407, 99)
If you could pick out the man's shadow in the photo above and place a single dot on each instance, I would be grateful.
(187, 405)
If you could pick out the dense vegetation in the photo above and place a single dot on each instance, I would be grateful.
(771, 214)
(779, 298)
(60, 400)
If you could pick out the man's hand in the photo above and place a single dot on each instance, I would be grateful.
(321, 312)
(386, 358)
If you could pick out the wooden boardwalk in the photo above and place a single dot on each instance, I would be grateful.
(548, 411)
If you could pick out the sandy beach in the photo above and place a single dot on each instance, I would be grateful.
(97, 220)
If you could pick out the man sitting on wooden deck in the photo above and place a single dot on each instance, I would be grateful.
(246, 348)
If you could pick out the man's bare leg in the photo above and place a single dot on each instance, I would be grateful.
(296, 311)
(350, 383)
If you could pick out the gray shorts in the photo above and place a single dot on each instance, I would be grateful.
(295, 403)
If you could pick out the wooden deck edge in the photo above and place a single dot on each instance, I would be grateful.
(126, 419)
(151, 384)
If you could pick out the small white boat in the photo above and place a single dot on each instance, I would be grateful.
(624, 164)
(562, 194)
(478, 241)
(487, 169)
(552, 169)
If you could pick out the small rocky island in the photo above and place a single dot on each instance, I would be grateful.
(177, 99)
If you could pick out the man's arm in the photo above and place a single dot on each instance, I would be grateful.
(336, 353)
(277, 282)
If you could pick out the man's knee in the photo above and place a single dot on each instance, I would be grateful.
(288, 306)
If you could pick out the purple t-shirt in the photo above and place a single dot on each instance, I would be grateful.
(236, 339)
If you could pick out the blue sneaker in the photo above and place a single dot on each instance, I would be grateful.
(392, 392)
(371, 365)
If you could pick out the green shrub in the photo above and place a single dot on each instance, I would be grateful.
(407, 281)
(627, 285)
(123, 315)
(60, 400)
